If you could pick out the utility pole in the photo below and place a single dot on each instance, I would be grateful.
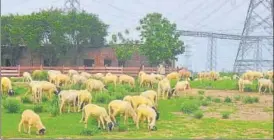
(187, 55)
(211, 54)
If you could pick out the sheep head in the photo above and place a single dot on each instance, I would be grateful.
(57, 91)
(42, 131)
(110, 126)
(11, 92)
(170, 93)
(157, 113)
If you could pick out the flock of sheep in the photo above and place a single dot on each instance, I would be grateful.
(140, 108)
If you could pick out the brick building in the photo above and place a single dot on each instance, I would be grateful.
(88, 57)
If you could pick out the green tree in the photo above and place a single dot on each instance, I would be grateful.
(123, 47)
(160, 39)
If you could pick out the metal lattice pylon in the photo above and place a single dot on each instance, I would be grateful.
(256, 21)
(72, 5)
(211, 54)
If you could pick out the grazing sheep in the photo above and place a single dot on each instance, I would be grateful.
(49, 88)
(98, 76)
(84, 98)
(140, 74)
(85, 74)
(127, 79)
(54, 71)
(163, 88)
(266, 83)
(151, 95)
(270, 74)
(93, 84)
(72, 72)
(127, 98)
(37, 91)
(138, 100)
(123, 107)
(110, 78)
(68, 96)
(6, 86)
(174, 75)
(149, 113)
(62, 78)
(180, 86)
(234, 77)
(78, 79)
(99, 113)
(30, 119)
(27, 77)
(149, 79)
(184, 73)
(242, 83)
(52, 77)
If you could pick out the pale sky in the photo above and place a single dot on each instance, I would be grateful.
(222, 16)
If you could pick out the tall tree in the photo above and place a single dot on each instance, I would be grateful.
(160, 39)
(123, 47)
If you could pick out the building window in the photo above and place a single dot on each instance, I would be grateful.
(88, 62)
(121, 63)
(7, 62)
(107, 62)
(46, 62)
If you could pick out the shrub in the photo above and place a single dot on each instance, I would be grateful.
(217, 100)
(43, 75)
(189, 107)
(225, 115)
(44, 99)
(205, 103)
(25, 100)
(227, 100)
(89, 132)
(38, 108)
(198, 114)
(12, 105)
(237, 98)
(102, 97)
(250, 100)
(54, 106)
(119, 96)
(208, 98)
(201, 92)
(201, 97)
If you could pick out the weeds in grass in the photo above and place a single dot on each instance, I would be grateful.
(227, 100)
(205, 103)
(189, 107)
(12, 105)
(102, 97)
(201, 92)
(44, 99)
(250, 100)
(225, 115)
(25, 100)
(201, 97)
(208, 98)
(54, 106)
(198, 114)
(38, 108)
(237, 98)
(122, 127)
(217, 100)
(191, 97)
(89, 132)
(43, 75)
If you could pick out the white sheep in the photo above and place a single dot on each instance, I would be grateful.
(72, 72)
(78, 79)
(30, 119)
(138, 100)
(84, 98)
(149, 113)
(174, 75)
(164, 88)
(242, 83)
(93, 84)
(27, 77)
(99, 113)
(127, 98)
(234, 77)
(37, 91)
(6, 86)
(127, 79)
(179, 87)
(110, 78)
(123, 107)
(151, 95)
(266, 83)
(62, 78)
(149, 79)
(68, 96)
(85, 74)
(98, 76)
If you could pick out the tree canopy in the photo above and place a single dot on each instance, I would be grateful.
(160, 39)
(52, 32)
(124, 46)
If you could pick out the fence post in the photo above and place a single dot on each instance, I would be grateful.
(41, 67)
(105, 69)
(18, 69)
(122, 69)
(63, 69)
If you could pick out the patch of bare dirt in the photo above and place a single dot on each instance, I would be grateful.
(244, 111)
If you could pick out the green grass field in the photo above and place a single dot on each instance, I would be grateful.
(173, 123)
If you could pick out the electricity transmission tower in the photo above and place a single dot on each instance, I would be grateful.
(72, 5)
(187, 55)
(251, 54)
(211, 54)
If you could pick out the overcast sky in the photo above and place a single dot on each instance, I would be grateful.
(223, 16)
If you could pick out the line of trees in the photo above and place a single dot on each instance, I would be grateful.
(53, 33)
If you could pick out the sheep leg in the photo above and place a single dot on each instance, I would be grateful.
(148, 122)
(61, 106)
(19, 126)
(102, 121)
(99, 123)
(29, 125)
(137, 121)
(125, 118)
(86, 121)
